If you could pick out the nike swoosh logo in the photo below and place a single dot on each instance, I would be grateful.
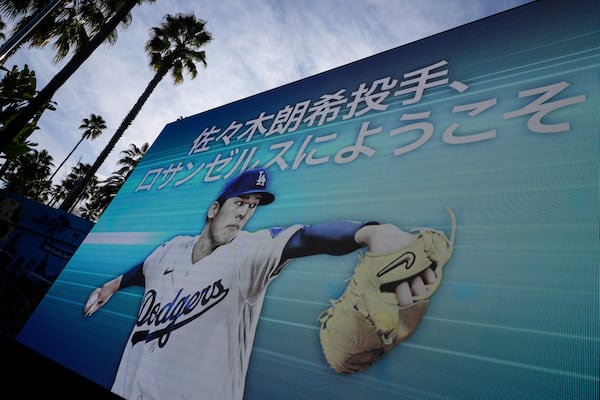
(168, 271)
(406, 259)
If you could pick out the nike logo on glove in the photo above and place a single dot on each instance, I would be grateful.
(168, 271)
(407, 259)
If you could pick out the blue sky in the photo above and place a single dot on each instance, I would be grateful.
(256, 46)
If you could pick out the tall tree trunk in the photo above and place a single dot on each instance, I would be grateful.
(77, 191)
(59, 167)
(46, 94)
(65, 160)
(9, 47)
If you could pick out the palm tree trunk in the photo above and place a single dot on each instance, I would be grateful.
(45, 95)
(9, 47)
(66, 158)
(77, 191)
(59, 167)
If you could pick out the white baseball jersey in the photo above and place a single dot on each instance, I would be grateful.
(196, 325)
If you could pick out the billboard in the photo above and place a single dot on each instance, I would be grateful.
(36, 242)
(473, 153)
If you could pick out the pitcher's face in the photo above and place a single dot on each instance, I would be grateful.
(228, 220)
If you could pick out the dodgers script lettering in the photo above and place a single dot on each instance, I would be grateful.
(166, 318)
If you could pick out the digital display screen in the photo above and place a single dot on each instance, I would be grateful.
(478, 148)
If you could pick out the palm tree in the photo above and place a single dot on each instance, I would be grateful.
(92, 128)
(68, 25)
(131, 158)
(20, 33)
(2, 26)
(17, 88)
(28, 173)
(74, 178)
(55, 194)
(37, 104)
(109, 188)
(174, 47)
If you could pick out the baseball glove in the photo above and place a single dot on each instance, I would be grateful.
(366, 321)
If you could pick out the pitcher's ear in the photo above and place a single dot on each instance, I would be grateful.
(213, 210)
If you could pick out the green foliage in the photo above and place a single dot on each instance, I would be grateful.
(119, 11)
(176, 43)
(107, 189)
(28, 175)
(68, 27)
(17, 88)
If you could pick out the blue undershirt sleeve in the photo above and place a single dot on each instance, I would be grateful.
(135, 276)
(333, 238)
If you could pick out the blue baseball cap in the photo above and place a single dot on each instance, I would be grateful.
(248, 182)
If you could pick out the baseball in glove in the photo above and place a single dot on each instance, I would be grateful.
(367, 321)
